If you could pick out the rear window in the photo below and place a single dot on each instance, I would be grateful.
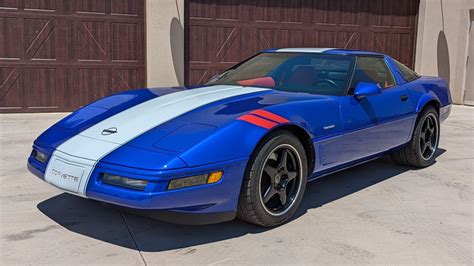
(407, 73)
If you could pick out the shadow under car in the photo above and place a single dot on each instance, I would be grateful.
(112, 225)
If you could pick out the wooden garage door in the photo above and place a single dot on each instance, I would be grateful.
(222, 33)
(57, 55)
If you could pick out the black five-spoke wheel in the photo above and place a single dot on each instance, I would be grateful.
(280, 179)
(421, 150)
(274, 181)
(429, 136)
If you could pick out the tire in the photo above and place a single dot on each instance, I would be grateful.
(415, 153)
(268, 176)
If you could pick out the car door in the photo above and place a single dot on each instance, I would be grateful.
(374, 123)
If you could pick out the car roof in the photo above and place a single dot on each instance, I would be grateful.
(323, 51)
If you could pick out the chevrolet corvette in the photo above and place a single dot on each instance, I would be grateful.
(246, 143)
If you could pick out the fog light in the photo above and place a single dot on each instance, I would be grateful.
(116, 180)
(39, 156)
(195, 180)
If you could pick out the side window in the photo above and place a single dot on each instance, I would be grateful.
(373, 70)
(407, 73)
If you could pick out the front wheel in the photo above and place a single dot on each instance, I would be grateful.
(274, 182)
(421, 150)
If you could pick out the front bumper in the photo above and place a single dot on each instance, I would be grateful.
(205, 203)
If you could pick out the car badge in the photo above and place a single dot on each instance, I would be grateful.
(109, 131)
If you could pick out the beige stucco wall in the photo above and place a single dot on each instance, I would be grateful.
(165, 42)
(442, 41)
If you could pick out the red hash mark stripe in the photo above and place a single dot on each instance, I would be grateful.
(271, 116)
(257, 121)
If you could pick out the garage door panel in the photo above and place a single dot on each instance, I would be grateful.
(325, 12)
(349, 40)
(92, 82)
(393, 44)
(43, 88)
(279, 38)
(125, 42)
(230, 42)
(399, 42)
(9, 4)
(40, 38)
(352, 12)
(12, 98)
(291, 38)
(10, 33)
(5, 73)
(92, 40)
(225, 9)
(10, 89)
(90, 6)
(380, 11)
(202, 9)
(268, 11)
(200, 75)
(125, 78)
(292, 12)
(201, 36)
(381, 42)
(43, 5)
(324, 38)
(267, 38)
(48, 50)
(126, 8)
(87, 50)
(404, 7)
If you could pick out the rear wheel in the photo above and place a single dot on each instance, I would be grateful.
(421, 150)
(274, 182)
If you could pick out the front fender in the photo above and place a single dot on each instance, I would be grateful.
(239, 138)
(236, 140)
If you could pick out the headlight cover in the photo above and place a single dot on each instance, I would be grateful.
(121, 181)
(197, 180)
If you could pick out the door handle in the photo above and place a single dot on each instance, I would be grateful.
(403, 97)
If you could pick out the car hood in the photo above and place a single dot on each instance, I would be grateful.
(166, 121)
(133, 121)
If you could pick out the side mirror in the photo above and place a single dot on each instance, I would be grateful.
(364, 89)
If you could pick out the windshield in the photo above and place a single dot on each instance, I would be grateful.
(294, 72)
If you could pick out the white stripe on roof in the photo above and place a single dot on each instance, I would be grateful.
(305, 50)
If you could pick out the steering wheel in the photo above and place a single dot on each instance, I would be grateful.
(328, 81)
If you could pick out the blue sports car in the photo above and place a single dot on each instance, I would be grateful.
(246, 143)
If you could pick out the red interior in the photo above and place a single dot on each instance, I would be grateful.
(261, 82)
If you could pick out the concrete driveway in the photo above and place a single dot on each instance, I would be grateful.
(374, 213)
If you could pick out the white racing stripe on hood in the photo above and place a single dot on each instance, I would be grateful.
(91, 145)
(152, 113)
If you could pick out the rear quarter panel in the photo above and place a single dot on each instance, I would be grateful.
(426, 89)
